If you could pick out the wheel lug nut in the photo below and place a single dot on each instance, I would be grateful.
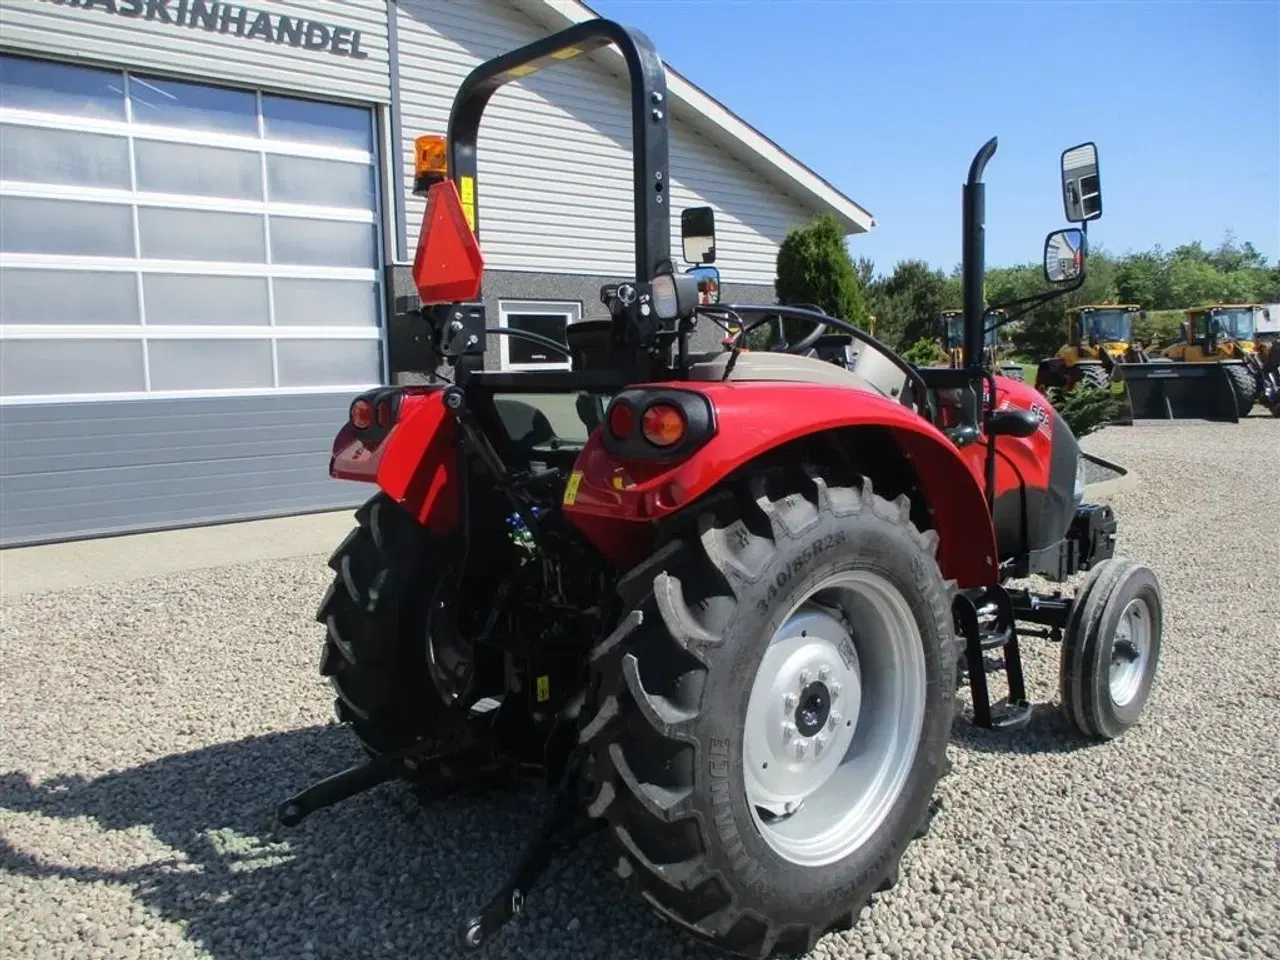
(805, 677)
(801, 746)
(819, 742)
(834, 719)
(790, 701)
(788, 731)
(835, 690)
(824, 674)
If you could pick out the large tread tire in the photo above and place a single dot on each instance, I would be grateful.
(374, 614)
(668, 693)
(1244, 385)
(1084, 690)
(1093, 376)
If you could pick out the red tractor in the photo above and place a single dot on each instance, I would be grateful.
(721, 604)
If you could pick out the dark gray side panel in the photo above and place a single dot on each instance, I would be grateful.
(85, 469)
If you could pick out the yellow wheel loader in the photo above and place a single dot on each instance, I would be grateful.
(951, 338)
(1099, 336)
(1215, 372)
(1226, 334)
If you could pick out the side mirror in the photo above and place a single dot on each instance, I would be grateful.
(1064, 255)
(698, 234)
(1081, 187)
(708, 284)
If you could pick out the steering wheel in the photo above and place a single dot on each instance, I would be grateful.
(918, 396)
(807, 342)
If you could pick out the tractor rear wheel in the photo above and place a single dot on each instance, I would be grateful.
(1244, 385)
(770, 719)
(377, 654)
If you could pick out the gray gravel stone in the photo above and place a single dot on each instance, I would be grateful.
(150, 727)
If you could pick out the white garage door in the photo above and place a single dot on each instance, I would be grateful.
(165, 242)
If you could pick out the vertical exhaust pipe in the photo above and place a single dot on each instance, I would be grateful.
(974, 255)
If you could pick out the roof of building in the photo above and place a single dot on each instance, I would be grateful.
(725, 127)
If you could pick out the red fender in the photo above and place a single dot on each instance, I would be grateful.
(415, 464)
(614, 502)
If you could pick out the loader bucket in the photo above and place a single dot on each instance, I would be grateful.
(1177, 391)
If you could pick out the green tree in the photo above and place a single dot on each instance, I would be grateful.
(1193, 281)
(814, 266)
(1141, 279)
(907, 304)
(925, 352)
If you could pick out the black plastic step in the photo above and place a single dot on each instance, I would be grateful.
(1008, 716)
(995, 639)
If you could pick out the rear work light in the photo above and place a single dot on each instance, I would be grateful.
(663, 425)
(657, 423)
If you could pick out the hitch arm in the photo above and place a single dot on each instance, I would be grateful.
(339, 787)
(562, 829)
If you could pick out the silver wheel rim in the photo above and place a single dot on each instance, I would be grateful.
(834, 718)
(1130, 649)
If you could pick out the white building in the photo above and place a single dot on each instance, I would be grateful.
(206, 219)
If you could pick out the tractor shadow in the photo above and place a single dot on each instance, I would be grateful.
(378, 876)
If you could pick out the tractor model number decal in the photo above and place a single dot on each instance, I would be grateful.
(796, 565)
(543, 689)
(571, 488)
(1042, 414)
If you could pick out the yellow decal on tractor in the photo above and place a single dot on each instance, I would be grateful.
(544, 689)
(571, 488)
(467, 194)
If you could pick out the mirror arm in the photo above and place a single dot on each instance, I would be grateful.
(1030, 303)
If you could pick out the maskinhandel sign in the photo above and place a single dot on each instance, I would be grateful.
(233, 20)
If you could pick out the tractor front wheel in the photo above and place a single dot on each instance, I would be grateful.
(771, 716)
(1111, 648)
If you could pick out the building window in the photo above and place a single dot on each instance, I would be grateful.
(164, 238)
(547, 318)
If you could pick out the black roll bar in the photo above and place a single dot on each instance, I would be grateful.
(649, 116)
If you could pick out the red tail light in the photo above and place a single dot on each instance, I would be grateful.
(658, 424)
(384, 413)
(663, 425)
(362, 414)
(621, 420)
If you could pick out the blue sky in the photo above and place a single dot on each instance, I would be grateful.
(1183, 100)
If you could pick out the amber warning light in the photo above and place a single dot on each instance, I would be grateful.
(430, 162)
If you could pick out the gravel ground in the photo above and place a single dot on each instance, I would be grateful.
(150, 727)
